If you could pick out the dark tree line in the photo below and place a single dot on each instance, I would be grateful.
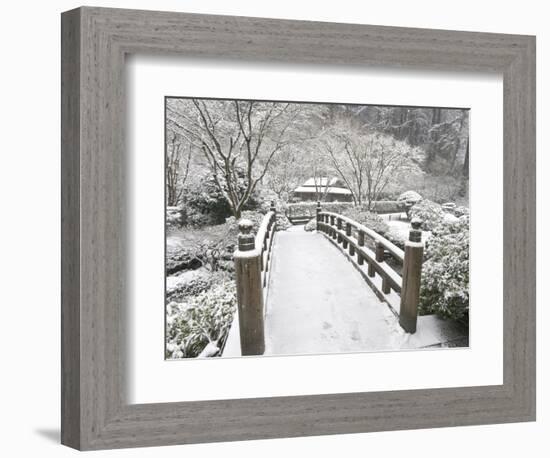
(442, 132)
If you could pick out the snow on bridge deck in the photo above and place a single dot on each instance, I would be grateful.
(319, 303)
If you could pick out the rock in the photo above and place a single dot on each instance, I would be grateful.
(210, 350)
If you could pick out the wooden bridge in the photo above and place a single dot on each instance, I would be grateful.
(341, 288)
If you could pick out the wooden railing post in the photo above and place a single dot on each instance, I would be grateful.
(318, 215)
(412, 270)
(379, 251)
(339, 227)
(248, 266)
(348, 233)
(272, 222)
(379, 256)
(361, 243)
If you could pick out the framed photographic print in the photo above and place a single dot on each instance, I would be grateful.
(283, 228)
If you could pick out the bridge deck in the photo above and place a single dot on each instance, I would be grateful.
(318, 303)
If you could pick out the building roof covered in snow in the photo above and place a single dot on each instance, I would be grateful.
(323, 185)
(329, 190)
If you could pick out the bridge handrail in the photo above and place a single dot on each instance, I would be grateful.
(252, 266)
(263, 243)
(263, 229)
(393, 249)
(406, 285)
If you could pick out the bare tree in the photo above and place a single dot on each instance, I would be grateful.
(177, 169)
(238, 139)
(286, 172)
(321, 182)
(348, 161)
(368, 162)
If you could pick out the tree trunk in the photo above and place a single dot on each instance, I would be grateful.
(466, 166)
(458, 142)
(432, 150)
(436, 116)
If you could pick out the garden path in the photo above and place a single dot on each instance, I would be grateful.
(318, 302)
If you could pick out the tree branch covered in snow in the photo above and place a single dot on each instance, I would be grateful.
(368, 161)
(238, 139)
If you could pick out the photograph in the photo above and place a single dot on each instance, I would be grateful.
(297, 228)
(262, 225)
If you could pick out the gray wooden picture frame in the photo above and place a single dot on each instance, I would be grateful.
(95, 413)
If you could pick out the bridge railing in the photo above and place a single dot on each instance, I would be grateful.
(252, 266)
(264, 243)
(352, 236)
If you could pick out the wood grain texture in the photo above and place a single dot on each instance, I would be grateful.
(70, 229)
(410, 294)
(250, 300)
(95, 411)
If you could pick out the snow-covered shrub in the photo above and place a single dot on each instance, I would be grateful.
(409, 198)
(440, 189)
(180, 258)
(429, 212)
(311, 225)
(397, 237)
(265, 198)
(174, 216)
(449, 218)
(283, 222)
(360, 215)
(387, 206)
(448, 207)
(445, 272)
(233, 223)
(368, 219)
(200, 320)
(461, 211)
(188, 283)
(192, 217)
(205, 203)
(310, 208)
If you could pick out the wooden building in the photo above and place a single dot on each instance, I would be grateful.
(322, 189)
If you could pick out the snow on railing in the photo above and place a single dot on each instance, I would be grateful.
(350, 235)
(264, 242)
